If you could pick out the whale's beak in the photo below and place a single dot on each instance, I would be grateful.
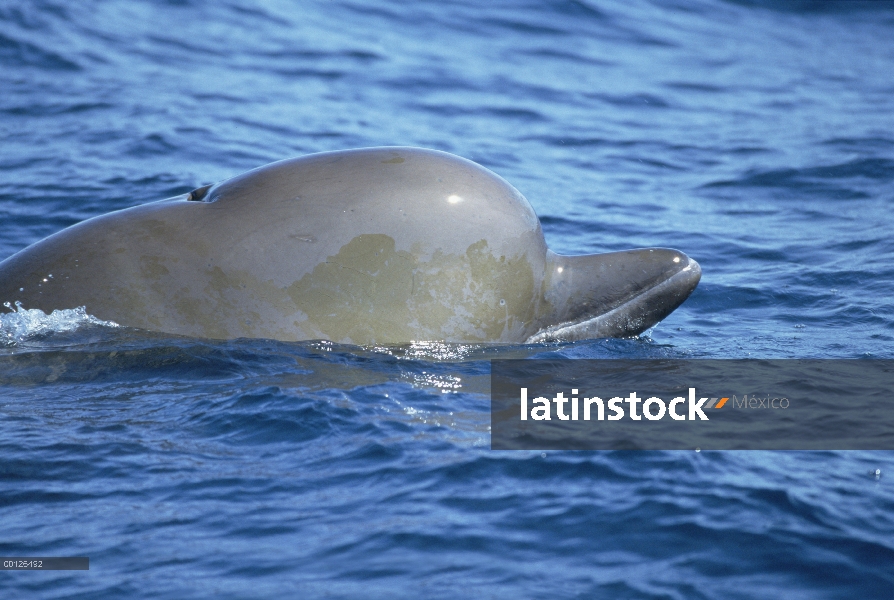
(618, 294)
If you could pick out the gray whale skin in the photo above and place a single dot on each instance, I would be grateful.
(369, 246)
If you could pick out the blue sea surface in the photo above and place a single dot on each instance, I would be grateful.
(755, 136)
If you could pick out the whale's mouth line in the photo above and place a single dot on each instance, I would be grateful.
(632, 316)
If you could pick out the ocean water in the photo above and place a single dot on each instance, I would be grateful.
(757, 137)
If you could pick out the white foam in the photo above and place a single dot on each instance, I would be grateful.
(24, 323)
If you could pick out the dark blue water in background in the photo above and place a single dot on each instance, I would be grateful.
(757, 137)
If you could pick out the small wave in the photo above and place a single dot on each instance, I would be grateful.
(23, 324)
(16, 53)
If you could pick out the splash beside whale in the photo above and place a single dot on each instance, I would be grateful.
(369, 246)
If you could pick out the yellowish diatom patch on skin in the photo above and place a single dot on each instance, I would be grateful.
(370, 292)
(238, 301)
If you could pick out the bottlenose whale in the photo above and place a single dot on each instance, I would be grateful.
(368, 246)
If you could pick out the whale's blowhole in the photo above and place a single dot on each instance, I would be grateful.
(200, 194)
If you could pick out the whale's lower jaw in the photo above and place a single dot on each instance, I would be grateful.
(633, 316)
